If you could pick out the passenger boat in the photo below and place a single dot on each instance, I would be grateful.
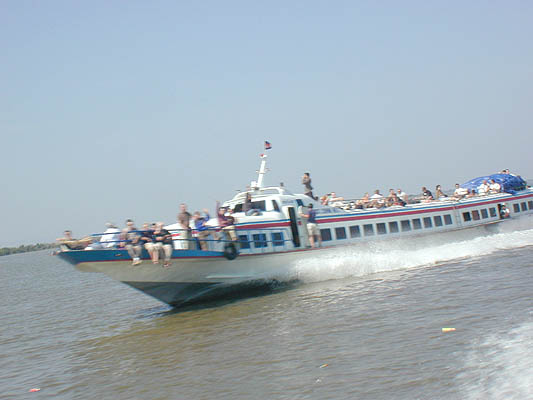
(274, 237)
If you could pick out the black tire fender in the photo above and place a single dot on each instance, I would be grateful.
(230, 251)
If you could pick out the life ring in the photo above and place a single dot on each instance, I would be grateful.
(230, 251)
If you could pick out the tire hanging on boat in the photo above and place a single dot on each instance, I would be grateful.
(230, 251)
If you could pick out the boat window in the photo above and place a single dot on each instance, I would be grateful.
(524, 206)
(427, 222)
(438, 220)
(260, 240)
(325, 234)
(492, 212)
(417, 224)
(355, 231)
(448, 219)
(467, 217)
(368, 229)
(484, 213)
(406, 225)
(277, 239)
(393, 227)
(243, 242)
(530, 204)
(340, 233)
(275, 205)
(382, 230)
(516, 208)
(475, 215)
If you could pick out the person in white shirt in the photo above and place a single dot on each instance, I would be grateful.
(494, 187)
(402, 195)
(377, 199)
(459, 192)
(483, 189)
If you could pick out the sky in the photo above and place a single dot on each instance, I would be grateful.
(125, 109)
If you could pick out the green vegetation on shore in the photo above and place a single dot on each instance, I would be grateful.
(4, 251)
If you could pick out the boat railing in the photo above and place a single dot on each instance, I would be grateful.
(255, 240)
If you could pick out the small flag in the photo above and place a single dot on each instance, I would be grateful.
(268, 146)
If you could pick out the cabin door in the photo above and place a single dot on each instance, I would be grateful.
(294, 226)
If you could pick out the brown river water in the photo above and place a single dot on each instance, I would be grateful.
(359, 325)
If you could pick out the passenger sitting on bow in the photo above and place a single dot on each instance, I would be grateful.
(439, 194)
(201, 228)
(109, 239)
(73, 244)
(483, 189)
(427, 196)
(494, 187)
(377, 199)
(459, 192)
(161, 241)
(130, 237)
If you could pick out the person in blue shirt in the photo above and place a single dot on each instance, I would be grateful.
(312, 227)
(202, 230)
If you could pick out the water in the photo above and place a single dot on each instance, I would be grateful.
(362, 325)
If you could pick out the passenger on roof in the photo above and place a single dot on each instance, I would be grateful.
(324, 200)
(459, 192)
(377, 199)
(402, 195)
(471, 193)
(439, 194)
(427, 196)
(333, 197)
(483, 189)
(494, 187)
(306, 181)
(389, 201)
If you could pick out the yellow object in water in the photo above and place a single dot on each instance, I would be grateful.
(448, 329)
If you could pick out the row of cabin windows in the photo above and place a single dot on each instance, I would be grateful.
(259, 240)
(381, 227)
(258, 205)
(523, 206)
(476, 215)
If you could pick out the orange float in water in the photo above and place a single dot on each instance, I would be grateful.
(448, 329)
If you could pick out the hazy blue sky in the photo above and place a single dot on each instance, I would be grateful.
(117, 109)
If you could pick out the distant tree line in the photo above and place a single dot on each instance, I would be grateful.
(4, 251)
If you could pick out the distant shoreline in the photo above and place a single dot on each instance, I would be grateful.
(25, 248)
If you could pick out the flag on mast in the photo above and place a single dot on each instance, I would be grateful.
(268, 146)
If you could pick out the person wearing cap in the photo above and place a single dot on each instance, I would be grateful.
(312, 227)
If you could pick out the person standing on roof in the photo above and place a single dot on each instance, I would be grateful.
(306, 181)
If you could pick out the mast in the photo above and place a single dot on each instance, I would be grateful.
(261, 173)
